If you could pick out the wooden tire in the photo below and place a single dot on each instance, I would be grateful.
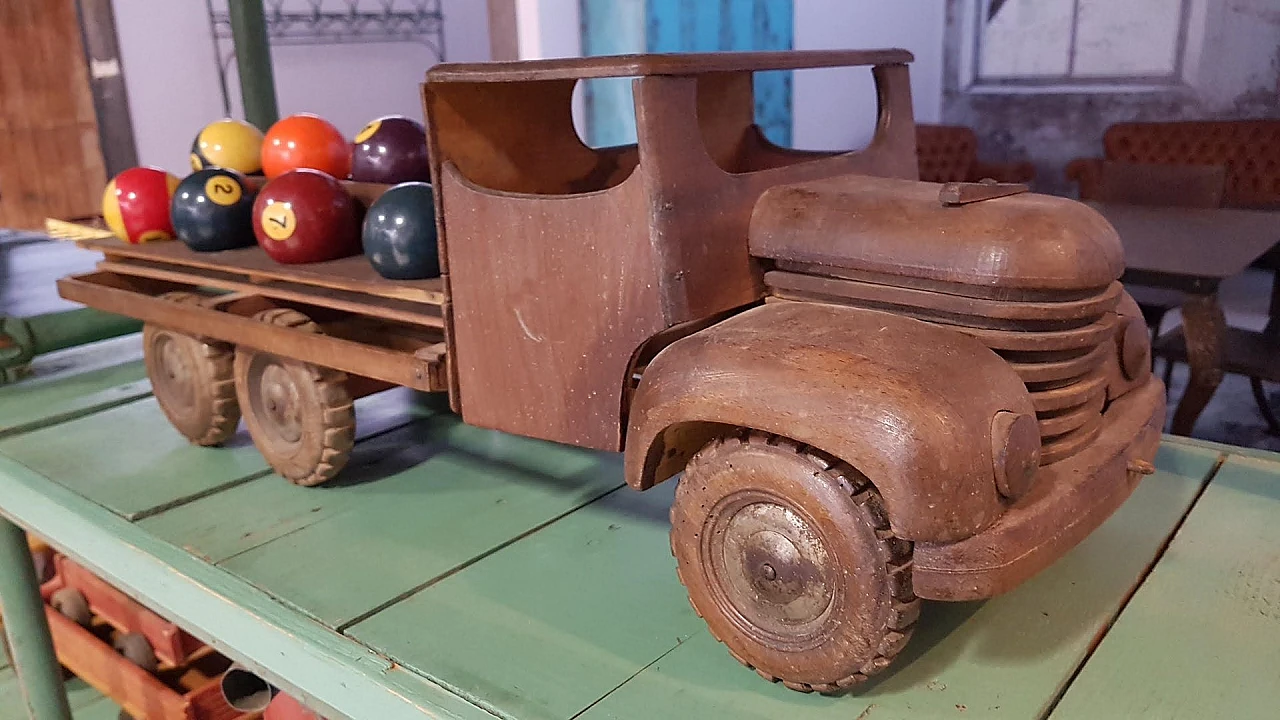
(299, 415)
(191, 379)
(135, 648)
(788, 556)
(72, 604)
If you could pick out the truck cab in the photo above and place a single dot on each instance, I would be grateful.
(872, 389)
(563, 263)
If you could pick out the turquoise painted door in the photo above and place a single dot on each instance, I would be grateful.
(611, 27)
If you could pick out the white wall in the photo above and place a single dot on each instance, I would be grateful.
(167, 54)
(835, 109)
(831, 109)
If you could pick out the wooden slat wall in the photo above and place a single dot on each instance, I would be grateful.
(50, 160)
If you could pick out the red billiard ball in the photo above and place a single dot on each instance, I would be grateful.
(306, 216)
(305, 141)
(391, 150)
(136, 205)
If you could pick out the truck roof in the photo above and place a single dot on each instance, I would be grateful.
(659, 64)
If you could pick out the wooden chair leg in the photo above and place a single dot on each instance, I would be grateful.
(1264, 405)
(1204, 327)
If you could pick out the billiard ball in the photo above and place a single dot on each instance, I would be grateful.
(399, 234)
(136, 205)
(212, 210)
(391, 150)
(306, 216)
(305, 141)
(228, 143)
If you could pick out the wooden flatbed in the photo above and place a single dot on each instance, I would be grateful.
(387, 330)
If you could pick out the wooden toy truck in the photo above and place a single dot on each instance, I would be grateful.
(877, 389)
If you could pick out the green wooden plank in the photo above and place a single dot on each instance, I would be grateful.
(66, 364)
(33, 404)
(1223, 448)
(129, 459)
(238, 519)
(462, 493)
(1201, 637)
(329, 672)
(548, 625)
(242, 517)
(85, 701)
(100, 709)
(554, 623)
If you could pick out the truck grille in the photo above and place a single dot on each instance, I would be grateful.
(1055, 340)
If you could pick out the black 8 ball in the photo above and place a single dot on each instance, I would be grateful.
(212, 210)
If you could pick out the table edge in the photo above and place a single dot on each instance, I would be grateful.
(296, 653)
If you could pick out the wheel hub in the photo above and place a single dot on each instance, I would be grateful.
(178, 383)
(773, 568)
(280, 403)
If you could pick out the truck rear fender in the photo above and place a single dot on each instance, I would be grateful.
(909, 404)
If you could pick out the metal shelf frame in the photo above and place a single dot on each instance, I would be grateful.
(332, 22)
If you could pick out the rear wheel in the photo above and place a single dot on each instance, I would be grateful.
(788, 556)
(300, 415)
(191, 380)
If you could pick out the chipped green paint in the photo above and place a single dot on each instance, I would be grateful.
(1201, 637)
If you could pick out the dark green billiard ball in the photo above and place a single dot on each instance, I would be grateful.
(213, 210)
(400, 233)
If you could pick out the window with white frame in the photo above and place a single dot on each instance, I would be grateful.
(1067, 45)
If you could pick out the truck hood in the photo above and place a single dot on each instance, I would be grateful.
(900, 229)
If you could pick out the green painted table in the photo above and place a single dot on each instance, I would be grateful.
(460, 573)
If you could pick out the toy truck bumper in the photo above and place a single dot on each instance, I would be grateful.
(1069, 500)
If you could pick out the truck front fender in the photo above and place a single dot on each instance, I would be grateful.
(909, 404)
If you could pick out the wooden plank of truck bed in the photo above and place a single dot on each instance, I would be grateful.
(459, 572)
(352, 274)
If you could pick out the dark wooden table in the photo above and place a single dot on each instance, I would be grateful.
(1193, 250)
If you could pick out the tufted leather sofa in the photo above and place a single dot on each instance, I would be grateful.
(1249, 149)
(949, 153)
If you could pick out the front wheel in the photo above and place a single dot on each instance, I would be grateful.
(788, 556)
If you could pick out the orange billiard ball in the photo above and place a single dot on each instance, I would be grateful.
(305, 141)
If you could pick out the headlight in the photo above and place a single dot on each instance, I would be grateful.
(1015, 452)
(1134, 348)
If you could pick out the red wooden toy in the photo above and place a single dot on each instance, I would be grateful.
(305, 141)
(306, 216)
(284, 707)
(144, 663)
(136, 205)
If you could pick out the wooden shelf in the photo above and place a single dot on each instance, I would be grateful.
(351, 274)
